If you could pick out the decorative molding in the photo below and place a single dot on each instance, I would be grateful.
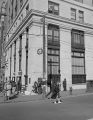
(28, 21)
(75, 3)
(17, 17)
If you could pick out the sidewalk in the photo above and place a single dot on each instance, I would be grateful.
(26, 98)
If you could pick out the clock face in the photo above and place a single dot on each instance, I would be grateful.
(39, 51)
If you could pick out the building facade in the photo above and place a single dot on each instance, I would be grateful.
(49, 38)
(2, 32)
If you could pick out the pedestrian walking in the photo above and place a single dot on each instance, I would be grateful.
(5, 91)
(39, 87)
(13, 87)
(56, 92)
(8, 89)
(70, 90)
(43, 91)
(50, 85)
(19, 86)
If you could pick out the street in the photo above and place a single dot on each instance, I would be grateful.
(72, 108)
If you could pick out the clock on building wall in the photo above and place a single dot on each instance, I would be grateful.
(40, 51)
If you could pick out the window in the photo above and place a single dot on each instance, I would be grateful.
(73, 14)
(21, 16)
(78, 67)
(53, 33)
(78, 57)
(12, 17)
(53, 61)
(21, 3)
(9, 15)
(78, 63)
(77, 38)
(27, 9)
(81, 16)
(53, 8)
(16, 9)
(20, 53)
(12, 11)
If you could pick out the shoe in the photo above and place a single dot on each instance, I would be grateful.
(59, 102)
(49, 98)
(55, 102)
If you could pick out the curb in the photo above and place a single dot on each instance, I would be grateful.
(45, 99)
(20, 101)
(77, 95)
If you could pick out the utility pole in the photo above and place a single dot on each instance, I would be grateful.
(26, 74)
(50, 69)
(44, 59)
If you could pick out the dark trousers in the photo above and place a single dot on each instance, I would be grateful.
(65, 88)
(55, 92)
(49, 91)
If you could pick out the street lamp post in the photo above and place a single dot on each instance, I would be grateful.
(50, 69)
(44, 59)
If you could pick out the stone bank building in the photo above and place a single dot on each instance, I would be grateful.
(47, 37)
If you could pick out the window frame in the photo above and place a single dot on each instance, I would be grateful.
(52, 38)
(21, 3)
(53, 11)
(77, 76)
(12, 3)
(27, 9)
(79, 65)
(16, 7)
(80, 41)
(53, 63)
(81, 18)
(9, 17)
(12, 18)
(73, 14)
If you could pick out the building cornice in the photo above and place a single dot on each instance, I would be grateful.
(17, 17)
(82, 5)
(19, 30)
(61, 19)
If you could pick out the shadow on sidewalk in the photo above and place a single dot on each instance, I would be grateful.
(27, 98)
